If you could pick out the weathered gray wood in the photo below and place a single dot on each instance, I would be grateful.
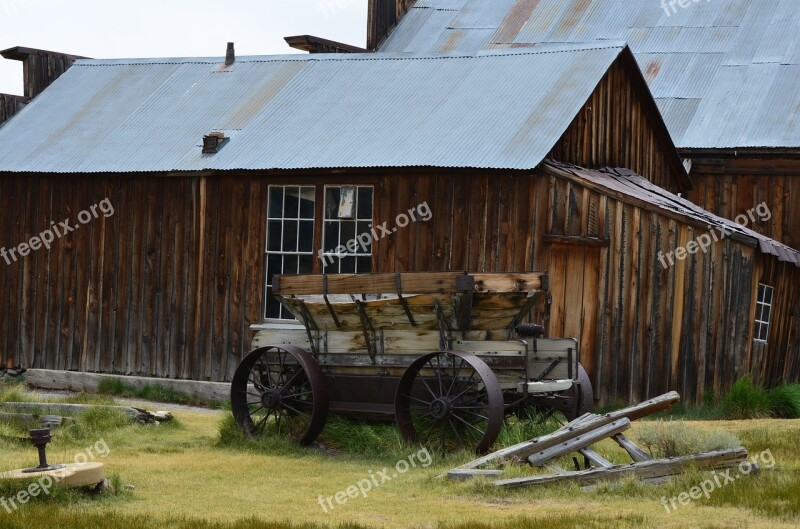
(578, 427)
(636, 453)
(595, 458)
(71, 410)
(647, 470)
(541, 457)
(44, 421)
(78, 381)
(463, 474)
(546, 455)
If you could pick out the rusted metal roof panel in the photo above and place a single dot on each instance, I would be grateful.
(631, 184)
(694, 52)
(503, 109)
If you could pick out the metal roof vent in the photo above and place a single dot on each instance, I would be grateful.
(213, 142)
(230, 55)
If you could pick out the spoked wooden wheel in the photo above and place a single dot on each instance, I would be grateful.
(450, 400)
(280, 390)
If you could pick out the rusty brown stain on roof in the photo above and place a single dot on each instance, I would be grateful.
(651, 72)
(516, 18)
(574, 14)
(452, 41)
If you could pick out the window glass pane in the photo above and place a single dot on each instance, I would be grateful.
(766, 313)
(365, 203)
(274, 236)
(348, 233)
(274, 266)
(348, 265)
(768, 295)
(364, 265)
(289, 235)
(306, 264)
(275, 208)
(331, 236)
(331, 202)
(292, 204)
(306, 240)
(273, 307)
(290, 264)
(306, 202)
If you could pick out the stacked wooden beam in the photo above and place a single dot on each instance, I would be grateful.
(579, 435)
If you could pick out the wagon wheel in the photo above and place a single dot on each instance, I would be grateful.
(450, 399)
(581, 394)
(280, 390)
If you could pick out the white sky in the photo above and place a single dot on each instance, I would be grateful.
(104, 29)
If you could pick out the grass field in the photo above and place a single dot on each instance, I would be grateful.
(186, 475)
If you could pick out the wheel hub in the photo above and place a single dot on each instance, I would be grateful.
(271, 399)
(441, 407)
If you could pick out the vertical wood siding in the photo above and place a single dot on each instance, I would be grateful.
(10, 105)
(614, 130)
(731, 187)
(170, 284)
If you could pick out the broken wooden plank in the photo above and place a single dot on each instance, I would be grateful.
(43, 421)
(541, 457)
(579, 427)
(412, 283)
(636, 453)
(595, 458)
(646, 470)
(462, 474)
(70, 410)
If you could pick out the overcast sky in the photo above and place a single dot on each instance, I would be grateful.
(170, 28)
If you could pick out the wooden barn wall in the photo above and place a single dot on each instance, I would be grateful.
(166, 286)
(41, 68)
(778, 360)
(731, 187)
(687, 327)
(170, 284)
(614, 130)
(10, 105)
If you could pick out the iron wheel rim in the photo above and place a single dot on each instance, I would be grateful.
(280, 391)
(457, 404)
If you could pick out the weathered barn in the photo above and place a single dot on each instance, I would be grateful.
(39, 69)
(216, 176)
(725, 75)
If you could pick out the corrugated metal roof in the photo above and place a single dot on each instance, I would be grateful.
(710, 51)
(631, 184)
(503, 109)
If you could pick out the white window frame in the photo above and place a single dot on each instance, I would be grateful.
(327, 257)
(282, 252)
(764, 299)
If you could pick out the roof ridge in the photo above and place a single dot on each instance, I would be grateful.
(376, 56)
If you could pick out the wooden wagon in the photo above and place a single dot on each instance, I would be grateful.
(447, 355)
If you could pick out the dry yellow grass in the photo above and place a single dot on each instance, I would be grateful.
(181, 472)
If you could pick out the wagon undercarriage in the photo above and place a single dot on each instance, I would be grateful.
(444, 354)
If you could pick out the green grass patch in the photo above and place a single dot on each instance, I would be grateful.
(672, 439)
(784, 401)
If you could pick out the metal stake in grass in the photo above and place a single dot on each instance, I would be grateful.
(39, 438)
